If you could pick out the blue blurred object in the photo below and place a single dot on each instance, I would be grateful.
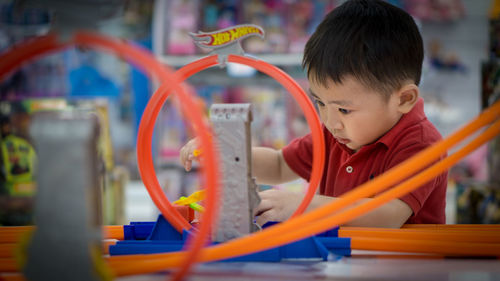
(161, 237)
(86, 81)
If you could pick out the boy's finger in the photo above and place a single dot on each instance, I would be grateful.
(183, 154)
(265, 217)
(260, 221)
(264, 206)
(187, 166)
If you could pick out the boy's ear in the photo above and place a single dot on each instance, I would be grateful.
(407, 97)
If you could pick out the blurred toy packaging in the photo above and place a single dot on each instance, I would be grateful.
(18, 159)
(287, 24)
(478, 204)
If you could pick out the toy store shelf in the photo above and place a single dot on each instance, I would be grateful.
(275, 59)
(25, 29)
(218, 76)
(291, 64)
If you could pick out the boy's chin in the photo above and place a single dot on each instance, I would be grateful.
(353, 146)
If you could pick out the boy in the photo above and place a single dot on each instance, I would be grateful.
(363, 64)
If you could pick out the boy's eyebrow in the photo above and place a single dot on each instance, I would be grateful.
(339, 102)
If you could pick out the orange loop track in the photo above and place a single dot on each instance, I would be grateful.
(20, 54)
(154, 105)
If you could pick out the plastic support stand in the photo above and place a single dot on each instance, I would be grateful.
(161, 237)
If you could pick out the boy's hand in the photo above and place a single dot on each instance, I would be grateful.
(277, 205)
(186, 155)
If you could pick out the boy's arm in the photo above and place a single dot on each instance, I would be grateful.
(269, 167)
(278, 205)
(393, 214)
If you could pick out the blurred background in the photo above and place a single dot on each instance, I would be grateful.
(460, 78)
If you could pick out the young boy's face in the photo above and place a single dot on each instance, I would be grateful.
(354, 115)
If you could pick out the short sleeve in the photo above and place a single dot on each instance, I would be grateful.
(416, 198)
(298, 156)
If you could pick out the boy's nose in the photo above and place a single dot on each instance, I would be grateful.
(337, 125)
(335, 121)
(331, 120)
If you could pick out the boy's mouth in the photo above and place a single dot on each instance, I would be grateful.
(342, 140)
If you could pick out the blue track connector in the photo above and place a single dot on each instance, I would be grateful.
(161, 237)
(138, 230)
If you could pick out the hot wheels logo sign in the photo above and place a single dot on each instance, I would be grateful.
(224, 37)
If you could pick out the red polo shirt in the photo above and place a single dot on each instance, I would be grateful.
(346, 169)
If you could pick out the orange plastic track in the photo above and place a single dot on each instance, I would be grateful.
(318, 220)
(267, 239)
(453, 235)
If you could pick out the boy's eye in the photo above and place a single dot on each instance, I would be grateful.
(319, 103)
(344, 111)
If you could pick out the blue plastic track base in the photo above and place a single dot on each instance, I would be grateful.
(161, 237)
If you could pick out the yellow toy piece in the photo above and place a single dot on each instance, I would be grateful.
(192, 200)
(196, 152)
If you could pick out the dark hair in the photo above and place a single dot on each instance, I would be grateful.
(370, 40)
